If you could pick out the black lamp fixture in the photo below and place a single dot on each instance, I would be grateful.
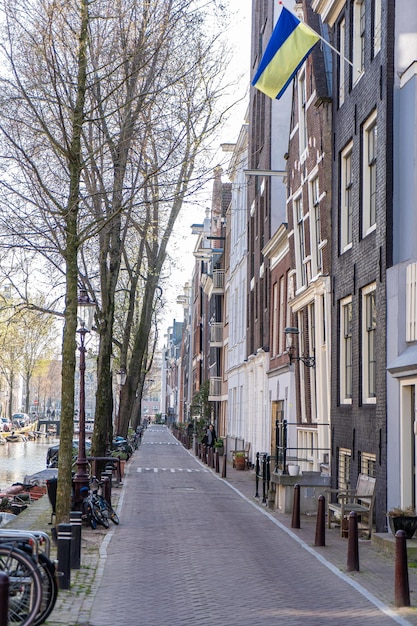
(308, 361)
(85, 314)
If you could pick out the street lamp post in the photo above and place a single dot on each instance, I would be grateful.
(85, 317)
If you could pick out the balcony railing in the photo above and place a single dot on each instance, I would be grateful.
(218, 279)
(215, 388)
(216, 332)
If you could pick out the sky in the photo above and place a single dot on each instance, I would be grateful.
(183, 244)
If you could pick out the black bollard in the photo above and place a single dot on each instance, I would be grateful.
(402, 589)
(295, 521)
(213, 458)
(224, 465)
(353, 544)
(4, 599)
(320, 539)
(264, 478)
(217, 462)
(75, 522)
(257, 472)
(64, 555)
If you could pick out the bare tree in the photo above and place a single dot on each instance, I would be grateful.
(105, 113)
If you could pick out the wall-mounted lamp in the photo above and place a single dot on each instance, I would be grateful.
(309, 361)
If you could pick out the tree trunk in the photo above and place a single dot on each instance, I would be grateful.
(64, 488)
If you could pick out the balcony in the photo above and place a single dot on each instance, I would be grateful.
(216, 335)
(218, 281)
(215, 388)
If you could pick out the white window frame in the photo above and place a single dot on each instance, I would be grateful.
(377, 17)
(282, 314)
(342, 62)
(275, 319)
(369, 328)
(346, 352)
(346, 204)
(411, 303)
(359, 32)
(316, 246)
(302, 111)
(369, 171)
(300, 243)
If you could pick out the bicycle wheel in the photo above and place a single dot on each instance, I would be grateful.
(47, 571)
(49, 589)
(25, 585)
(108, 510)
(113, 515)
(99, 515)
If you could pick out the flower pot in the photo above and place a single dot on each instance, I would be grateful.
(220, 450)
(406, 523)
(240, 462)
(293, 470)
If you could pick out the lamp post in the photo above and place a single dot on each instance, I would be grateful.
(308, 361)
(85, 317)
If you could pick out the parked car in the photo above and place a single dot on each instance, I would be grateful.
(21, 417)
(5, 424)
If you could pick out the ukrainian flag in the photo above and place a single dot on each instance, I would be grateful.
(290, 44)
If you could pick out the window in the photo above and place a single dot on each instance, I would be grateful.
(369, 344)
(300, 243)
(411, 303)
(345, 456)
(346, 199)
(282, 314)
(367, 463)
(376, 15)
(275, 320)
(302, 112)
(342, 62)
(316, 243)
(358, 39)
(346, 351)
(369, 174)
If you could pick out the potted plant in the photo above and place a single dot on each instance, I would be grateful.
(240, 460)
(219, 446)
(403, 519)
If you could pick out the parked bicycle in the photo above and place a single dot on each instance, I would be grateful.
(33, 587)
(96, 509)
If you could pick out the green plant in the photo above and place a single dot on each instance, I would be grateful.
(119, 454)
(219, 443)
(398, 512)
(240, 455)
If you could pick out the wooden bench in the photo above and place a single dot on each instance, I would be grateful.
(245, 452)
(361, 500)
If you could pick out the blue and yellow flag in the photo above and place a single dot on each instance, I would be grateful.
(290, 44)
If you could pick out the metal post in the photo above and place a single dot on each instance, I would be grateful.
(295, 521)
(75, 522)
(106, 487)
(64, 555)
(224, 471)
(257, 471)
(81, 478)
(217, 462)
(4, 599)
(264, 478)
(353, 544)
(320, 539)
(402, 589)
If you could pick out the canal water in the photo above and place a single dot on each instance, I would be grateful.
(23, 458)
